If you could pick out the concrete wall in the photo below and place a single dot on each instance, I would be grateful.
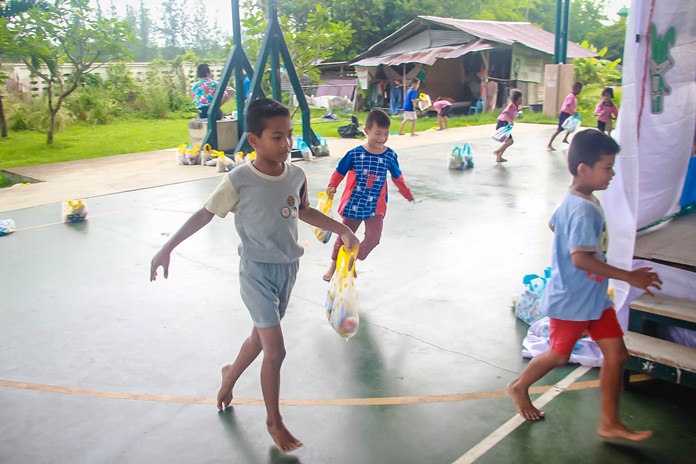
(21, 79)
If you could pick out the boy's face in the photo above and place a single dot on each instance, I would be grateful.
(577, 89)
(275, 141)
(377, 136)
(598, 176)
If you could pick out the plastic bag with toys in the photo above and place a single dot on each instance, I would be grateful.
(461, 158)
(7, 226)
(325, 204)
(527, 306)
(188, 155)
(424, 101)
(341, 298)
(502, 134)
(209, 156)
(224, 163)
(323, 146)
(572, 123)
(74, 211)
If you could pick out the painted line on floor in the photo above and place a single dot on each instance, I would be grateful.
(504, 430)
(393, 400)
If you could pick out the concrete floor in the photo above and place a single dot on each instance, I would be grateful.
(98, 365)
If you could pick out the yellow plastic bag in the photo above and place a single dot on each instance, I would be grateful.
(74, 211)
(324, 205)
(341, 298)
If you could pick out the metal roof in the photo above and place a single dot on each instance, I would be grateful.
(509, 33)
(488, 34)
(426, 56)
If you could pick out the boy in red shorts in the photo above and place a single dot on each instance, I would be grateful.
(576, 298)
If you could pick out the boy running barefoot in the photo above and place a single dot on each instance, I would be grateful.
(365, 197)
(576, 296)
(267, 196)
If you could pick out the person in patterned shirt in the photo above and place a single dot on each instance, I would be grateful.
(202, 92)
(365, 195)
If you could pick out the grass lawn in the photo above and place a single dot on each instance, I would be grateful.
(83, 141)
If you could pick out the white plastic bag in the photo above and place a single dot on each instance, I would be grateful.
(341, 298)
(502, 134)
(572, 123)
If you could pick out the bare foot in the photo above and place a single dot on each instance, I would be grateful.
(329, 274)
(224, 396)
(401, 133)
(500, 159)
(523, 403)
(413, 134)
(550, 148)
(565, 141)
(609, 432)
(283, 439)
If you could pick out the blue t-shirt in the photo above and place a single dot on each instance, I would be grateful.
(573, 294)
(411, 95)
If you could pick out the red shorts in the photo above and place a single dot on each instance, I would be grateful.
(564, 334)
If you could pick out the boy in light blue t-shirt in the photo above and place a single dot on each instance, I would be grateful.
(576, 298)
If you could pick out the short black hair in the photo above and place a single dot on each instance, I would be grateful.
(377, 118)
(260, 110)
(577, 84)
(415, 81)
(203, 70)
(515, 94)
(609, 91)
(588, 147)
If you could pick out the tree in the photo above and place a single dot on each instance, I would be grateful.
(310, 43)
(600, 70)
(7, 42)
(66, 33)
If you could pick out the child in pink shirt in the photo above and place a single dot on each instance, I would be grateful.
(606, 111)
(443, 108)
(569, 108)
(508, 116)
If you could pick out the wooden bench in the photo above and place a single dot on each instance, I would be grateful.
(660, 358)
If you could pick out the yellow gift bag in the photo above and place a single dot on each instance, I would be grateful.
(341, 299)
(324, 205)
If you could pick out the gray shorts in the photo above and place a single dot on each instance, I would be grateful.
(265, 289)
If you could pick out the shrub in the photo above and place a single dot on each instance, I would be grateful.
(31, 113)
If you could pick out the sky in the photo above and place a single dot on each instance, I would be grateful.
(221, 9)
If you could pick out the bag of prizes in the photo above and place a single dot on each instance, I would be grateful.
(324, 205)
(189, 155)
(572, 123)
(341, 298)
(74, 211)
(527, 306)
(7, 226)
(503, 133)
(461, 158)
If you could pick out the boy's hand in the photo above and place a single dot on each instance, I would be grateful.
(160, 259)
(330, 191)
(350, 240)
(644, 278)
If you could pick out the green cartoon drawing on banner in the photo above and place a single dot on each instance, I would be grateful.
(660, 62)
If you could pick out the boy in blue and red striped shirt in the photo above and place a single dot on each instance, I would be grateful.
(365, 197)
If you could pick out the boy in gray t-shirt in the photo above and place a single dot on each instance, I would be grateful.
(267, 197)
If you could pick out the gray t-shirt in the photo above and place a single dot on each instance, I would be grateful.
(266, 209)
